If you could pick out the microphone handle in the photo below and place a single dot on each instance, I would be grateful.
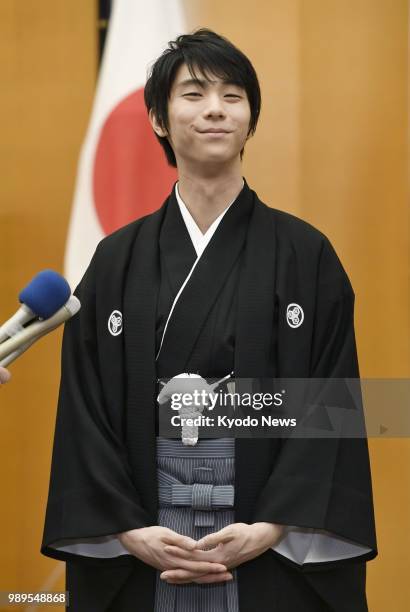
(34, 330)
(14, 325)
(13, 356)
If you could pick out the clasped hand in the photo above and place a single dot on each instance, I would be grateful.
(183, 560)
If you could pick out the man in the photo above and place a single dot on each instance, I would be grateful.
(213, 283)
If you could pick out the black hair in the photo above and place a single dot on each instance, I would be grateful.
(211, 54)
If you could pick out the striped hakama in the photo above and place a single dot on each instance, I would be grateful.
(196, 497)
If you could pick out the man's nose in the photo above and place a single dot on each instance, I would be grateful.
(214, 106)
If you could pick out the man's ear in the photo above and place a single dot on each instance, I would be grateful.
(157, 127)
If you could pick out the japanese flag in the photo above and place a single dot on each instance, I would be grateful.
(122, 172)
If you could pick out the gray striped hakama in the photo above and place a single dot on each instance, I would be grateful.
(196, 497)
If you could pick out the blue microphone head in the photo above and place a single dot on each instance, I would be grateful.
(45, 293)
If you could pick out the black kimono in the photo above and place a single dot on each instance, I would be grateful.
(259, 264)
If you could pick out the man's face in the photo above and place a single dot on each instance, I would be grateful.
(208, 119)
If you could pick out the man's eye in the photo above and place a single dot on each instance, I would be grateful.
(192, 93)
(232, 96)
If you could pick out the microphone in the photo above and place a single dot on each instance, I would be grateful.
(42, 297)
(20, 342)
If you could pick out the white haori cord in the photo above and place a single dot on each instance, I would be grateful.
(188, 414)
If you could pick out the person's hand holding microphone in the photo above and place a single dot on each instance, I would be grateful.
(4, 375)
(46, 303)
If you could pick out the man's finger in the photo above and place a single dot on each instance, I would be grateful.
(197, 567)
(209, 578)
(213, 539)
(180, 576)
(194, 555)
(205, 579)
(179, 540)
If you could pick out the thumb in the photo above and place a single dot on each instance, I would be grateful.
(5, 375)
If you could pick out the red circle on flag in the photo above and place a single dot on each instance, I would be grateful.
(131, 174)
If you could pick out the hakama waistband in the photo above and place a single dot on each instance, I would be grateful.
(206, 447)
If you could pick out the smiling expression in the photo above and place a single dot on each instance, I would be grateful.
(208, 118)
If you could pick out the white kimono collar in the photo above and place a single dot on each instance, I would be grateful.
(199, 240)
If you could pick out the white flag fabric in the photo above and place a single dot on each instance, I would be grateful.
(122, 172)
